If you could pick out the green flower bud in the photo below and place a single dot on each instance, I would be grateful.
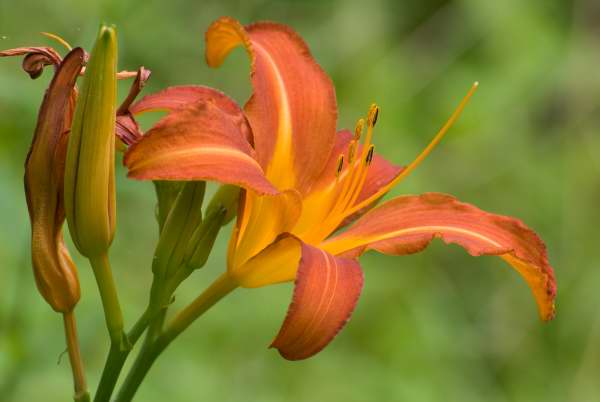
(203, 240)
(227, 198)
(89, 171)
(183, 219)
(166, 194)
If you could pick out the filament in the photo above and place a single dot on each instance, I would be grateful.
(438, 137)
(58, 39)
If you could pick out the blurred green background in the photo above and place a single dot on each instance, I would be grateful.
(437, 326)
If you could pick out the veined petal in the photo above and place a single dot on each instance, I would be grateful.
(175, 97)
(407, 225)
(326, 292)
(201, 141)
(293, 108)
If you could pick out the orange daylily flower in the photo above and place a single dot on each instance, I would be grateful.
(303, 182)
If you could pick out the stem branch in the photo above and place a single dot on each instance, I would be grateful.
(81, 393)
(116, 359)
(222, 286)
(110, 300)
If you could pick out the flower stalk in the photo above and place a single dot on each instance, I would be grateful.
(79, 383)
(220, 288)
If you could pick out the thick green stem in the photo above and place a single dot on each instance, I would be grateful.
(152, 349)
(116, 359)
(80, 387)
(110, 300)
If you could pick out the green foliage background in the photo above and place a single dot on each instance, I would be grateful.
(438, 326)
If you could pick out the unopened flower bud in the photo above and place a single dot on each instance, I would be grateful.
(203, 239)
(89, 173)
(166, 194)
(227, 198)
(184, 218)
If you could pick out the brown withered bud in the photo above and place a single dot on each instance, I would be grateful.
(54, 271)
(127, 129)
(36, 58)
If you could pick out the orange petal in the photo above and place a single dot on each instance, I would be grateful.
(407, 225)
(326, 292)
(202, 141)
(175, 97)
(292, 110)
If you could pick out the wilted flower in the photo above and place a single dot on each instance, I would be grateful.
(54, 271)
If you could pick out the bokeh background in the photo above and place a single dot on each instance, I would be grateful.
(437, 326)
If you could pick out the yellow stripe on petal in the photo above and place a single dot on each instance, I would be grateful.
(262, 220)
(202, 141)
(195, 152)
(292, 110)
(277, 263)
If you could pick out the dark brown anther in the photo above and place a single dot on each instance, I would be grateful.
(369, 157)
(340, 166)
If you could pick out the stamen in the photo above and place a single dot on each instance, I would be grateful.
(371, 120)
(354, 179)
(360, 124)
(373, 114)
(340, 166)
(351, 152)
(438, 137)
(57, 39)
(369, 157)
(361, 182)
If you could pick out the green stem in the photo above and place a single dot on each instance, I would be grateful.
(116, 359)
(152, 349)
(110, 300)
(81, 393)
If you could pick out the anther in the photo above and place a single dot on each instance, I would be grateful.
(351, 152)
(340, 166)
(369, 157)
(373, 114)
(358, 128)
